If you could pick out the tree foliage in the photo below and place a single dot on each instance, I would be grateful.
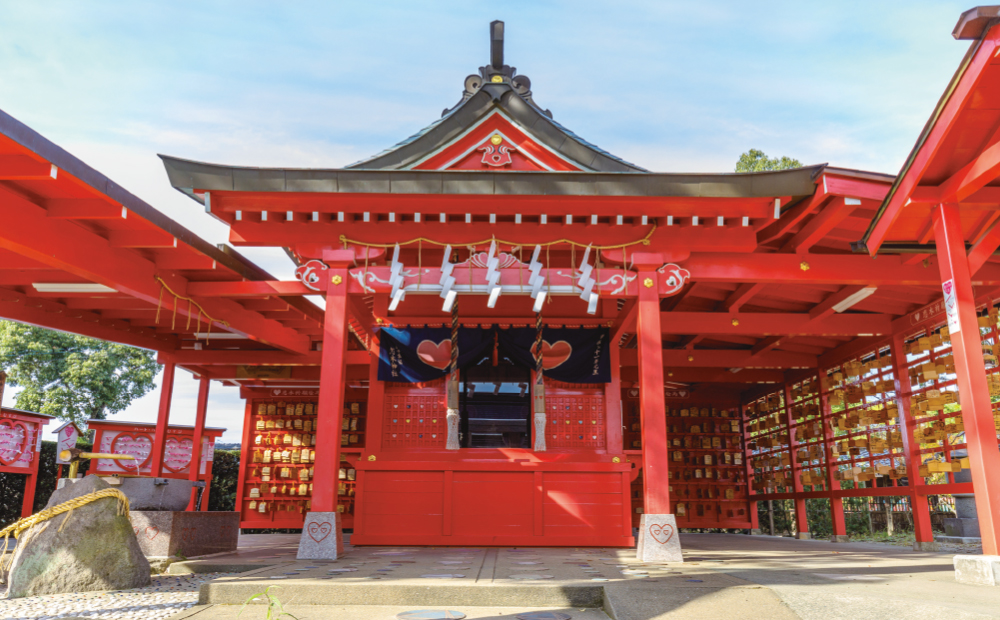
(757, 161)
(73, 377)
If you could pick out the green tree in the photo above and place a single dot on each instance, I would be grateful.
(758, 161)
(73, 377)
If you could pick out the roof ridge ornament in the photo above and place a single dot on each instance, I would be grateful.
(498, 73)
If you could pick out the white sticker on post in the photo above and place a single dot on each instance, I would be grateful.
(951, 306)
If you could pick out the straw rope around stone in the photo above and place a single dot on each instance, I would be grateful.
(15, 529)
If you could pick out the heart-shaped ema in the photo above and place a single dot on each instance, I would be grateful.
(177, 454)
(140, 446)
(661, 533)
(319, 530)
(435, 355)
(13, 441)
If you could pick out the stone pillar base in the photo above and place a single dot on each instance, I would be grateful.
(925, 546)
(841, 538)
(756, 532)
(803, 536)
(322, 538)
(979, 570)
(659, 540)
(165, 533)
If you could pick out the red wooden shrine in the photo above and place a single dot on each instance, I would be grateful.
(137, 440)
(20, 447)
(756, 350)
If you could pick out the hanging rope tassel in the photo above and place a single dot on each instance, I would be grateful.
(453, 416)
(538, 394)
(159, 305)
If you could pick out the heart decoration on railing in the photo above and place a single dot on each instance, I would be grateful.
(13, 441)
(177, 454)
(140, 446)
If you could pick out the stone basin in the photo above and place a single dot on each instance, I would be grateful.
(166, 494)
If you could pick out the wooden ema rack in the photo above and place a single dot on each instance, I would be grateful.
(279, 451)
(708, 482)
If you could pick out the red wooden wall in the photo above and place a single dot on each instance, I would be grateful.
(493, 503)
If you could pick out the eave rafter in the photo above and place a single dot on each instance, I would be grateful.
(61, 244)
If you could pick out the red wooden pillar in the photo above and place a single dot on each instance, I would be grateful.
(748, 466)
(246, 456)
(199, 432)
(376, 396)
(923, 535)
(332, 383)
(208, 486)
(613, 403)
(28, 503)
(652, 407)
(801, 517)
(966, 344)
(832, 484)
(163, 418)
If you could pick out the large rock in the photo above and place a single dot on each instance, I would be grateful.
(96, 549)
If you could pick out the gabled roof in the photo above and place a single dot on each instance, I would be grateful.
(496, 89)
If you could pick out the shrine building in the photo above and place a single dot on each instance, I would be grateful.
(529, 341)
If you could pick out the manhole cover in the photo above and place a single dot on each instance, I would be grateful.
(544, 615)
(442, 576)
(531, 576)
(430, 614)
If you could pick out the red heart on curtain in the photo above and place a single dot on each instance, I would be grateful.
(435, 355)
(555, 354)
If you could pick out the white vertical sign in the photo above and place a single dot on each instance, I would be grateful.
(951, 306)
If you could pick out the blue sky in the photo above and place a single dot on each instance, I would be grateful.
(671, 86)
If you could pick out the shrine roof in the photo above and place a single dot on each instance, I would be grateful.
(954, 159)
(79, 253)
(193, 178)
(476, 106)
(30, 413)
(525, 152)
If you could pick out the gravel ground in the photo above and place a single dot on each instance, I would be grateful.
(168, 595)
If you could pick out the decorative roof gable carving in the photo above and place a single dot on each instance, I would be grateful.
(541, 145)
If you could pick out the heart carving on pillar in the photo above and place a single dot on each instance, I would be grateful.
(318, 531)
(661, 533)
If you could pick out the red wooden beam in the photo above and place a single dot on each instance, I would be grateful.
(625, 321)
(775, 324)
(263, 288)
(52, 315)
(821, 224)
(24, 168)
(793, 216)
(925, 151)
(765, 345)
(974, 175)
(141, 239)
(710, 375)
(818, 269)
(666, 238)
(726, 358)
(984, 248)
(62, 244)
(825, 307)
(84, 209)
(743, 294)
